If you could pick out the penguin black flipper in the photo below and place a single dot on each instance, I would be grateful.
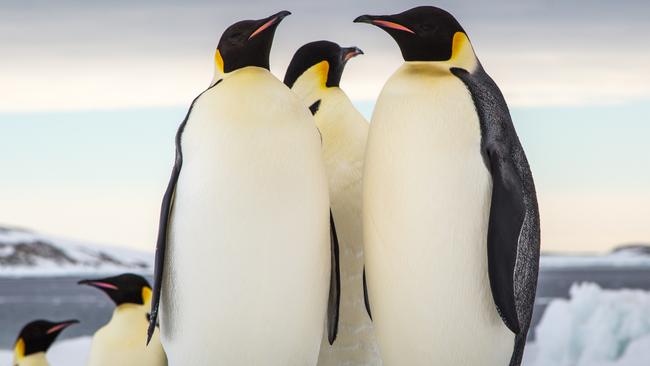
(165, 213)
(366, 300)
(513, 233)
(334, 300)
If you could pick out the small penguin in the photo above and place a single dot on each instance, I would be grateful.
(247, 251)
(451, 223)
(35, 339)
(122, 341)
(314, 75)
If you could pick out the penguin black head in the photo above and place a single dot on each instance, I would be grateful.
(425, 33)
(247, 43)
(329, 55)
(126, 288)
(38, 336)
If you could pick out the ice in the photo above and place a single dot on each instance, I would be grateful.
(595, 327)
(69, 352)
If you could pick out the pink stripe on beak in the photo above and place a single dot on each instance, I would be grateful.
(105, 285)
(392, 25)
(264, 27)
(58, 327)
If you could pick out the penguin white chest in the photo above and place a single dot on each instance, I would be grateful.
(37, 359)
(120, 341)
(248, 265)
(426, 207)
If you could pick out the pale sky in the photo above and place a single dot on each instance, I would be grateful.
(91, 94)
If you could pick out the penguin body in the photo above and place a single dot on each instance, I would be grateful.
(35, 339)
(451, 226)
(122, 341)
(261, 218)
(314, 75)
(37, 359)
(249, 261)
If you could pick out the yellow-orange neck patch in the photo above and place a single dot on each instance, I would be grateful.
(462, 52)
(19, 349)
(146, 295)
(321, 69)
(218, 60)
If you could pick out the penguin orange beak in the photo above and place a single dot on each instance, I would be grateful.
(270, 21)
(61, 326)
(382, 23)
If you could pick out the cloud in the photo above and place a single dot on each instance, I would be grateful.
(70, 55)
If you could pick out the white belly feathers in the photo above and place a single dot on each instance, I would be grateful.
(426, 203)
(247, 269)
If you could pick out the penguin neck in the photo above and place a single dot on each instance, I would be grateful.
(462, 57)
(312, 84)
(35, 359)
(126, 314)
(342, 127)
(220, 75)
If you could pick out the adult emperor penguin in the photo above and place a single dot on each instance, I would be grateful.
(314, 75)
(451, 224)
(35, 339)
(122, 340)
(244, 260)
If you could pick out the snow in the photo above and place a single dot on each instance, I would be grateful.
(595, 327)
(69, 352)
(29, 254)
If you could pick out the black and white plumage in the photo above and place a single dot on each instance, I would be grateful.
(247, 254)
(314, 74)
(514, 215)
(451, 221)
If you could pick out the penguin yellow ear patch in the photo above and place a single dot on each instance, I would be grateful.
(321, 70)
(146, 295)
(462, 53)
(218, 60)
(19, 349)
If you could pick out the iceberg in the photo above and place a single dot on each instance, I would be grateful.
(595, 327)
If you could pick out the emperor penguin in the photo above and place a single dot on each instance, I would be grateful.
(246, 253)
(35, 339)
(451, 223)
(122, 341)
(314, 75)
